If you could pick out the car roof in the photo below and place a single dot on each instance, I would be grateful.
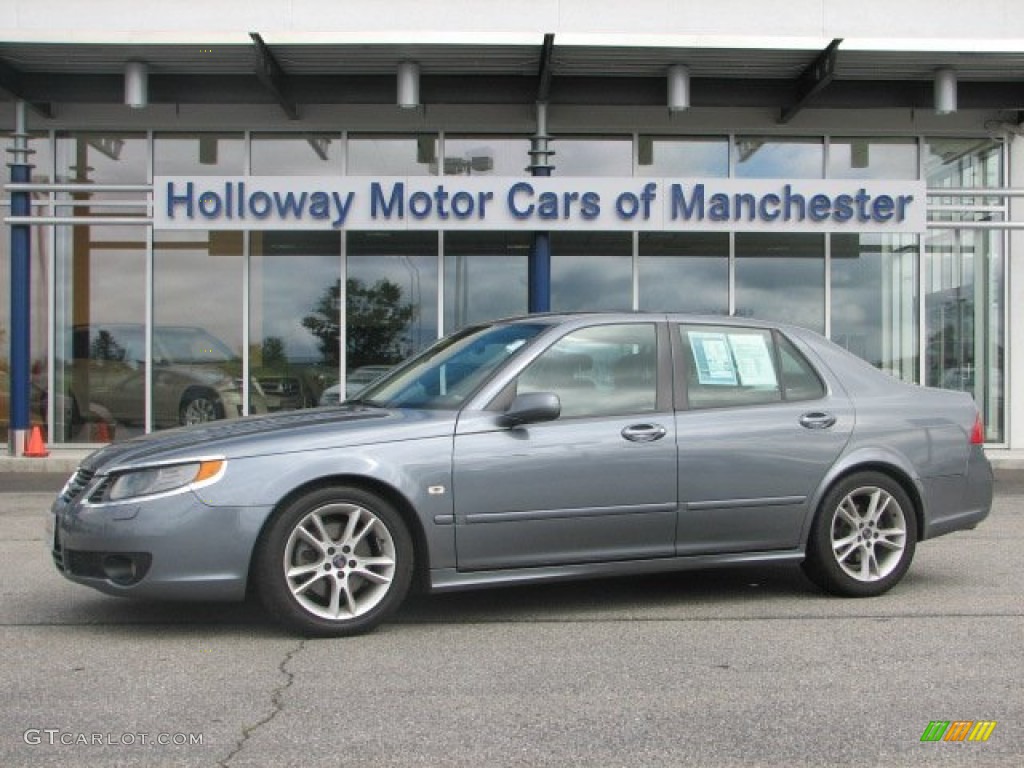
(584, 318)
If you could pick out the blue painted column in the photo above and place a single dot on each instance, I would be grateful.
(539, 266)
(21, 283)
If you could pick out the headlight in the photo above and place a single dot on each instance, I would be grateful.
(146, 482)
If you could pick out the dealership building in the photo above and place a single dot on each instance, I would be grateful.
(213, 209)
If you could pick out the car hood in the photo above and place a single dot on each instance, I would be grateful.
(316, 429)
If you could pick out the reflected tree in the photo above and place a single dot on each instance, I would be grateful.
(273, 352)
(377, 322)
(105, 347)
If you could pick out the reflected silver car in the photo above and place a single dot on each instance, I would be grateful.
(535, 449)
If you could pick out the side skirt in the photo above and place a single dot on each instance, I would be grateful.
(451, 580)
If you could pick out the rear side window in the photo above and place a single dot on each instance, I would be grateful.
(729, 366)
(799, 380)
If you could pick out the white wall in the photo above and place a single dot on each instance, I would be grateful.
(936, 24)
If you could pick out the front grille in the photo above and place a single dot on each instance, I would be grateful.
(77, 484)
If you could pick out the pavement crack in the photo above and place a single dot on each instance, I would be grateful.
(276, 703)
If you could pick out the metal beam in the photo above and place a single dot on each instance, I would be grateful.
(545, 71)
(273, 77)
(219, 89)
(818, 75)
(11, 83)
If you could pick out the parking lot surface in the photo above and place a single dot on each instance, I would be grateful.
(717, 668)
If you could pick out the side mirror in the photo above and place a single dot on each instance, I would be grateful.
(531, 408)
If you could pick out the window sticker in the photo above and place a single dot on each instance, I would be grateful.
(712, 358)
(753, 360)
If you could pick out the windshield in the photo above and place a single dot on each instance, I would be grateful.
(190, 345)
(448, 372)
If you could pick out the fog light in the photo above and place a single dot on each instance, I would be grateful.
(125, 569)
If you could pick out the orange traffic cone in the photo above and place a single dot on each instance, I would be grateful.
(35, 448)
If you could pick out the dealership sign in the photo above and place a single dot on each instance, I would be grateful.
(537, 203)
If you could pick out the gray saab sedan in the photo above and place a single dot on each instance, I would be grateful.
(533, 449)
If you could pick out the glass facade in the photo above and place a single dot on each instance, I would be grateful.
(100, 298)
(782, 278)
(154, 329)
(964, 280)
(684, 272)
(485, 276)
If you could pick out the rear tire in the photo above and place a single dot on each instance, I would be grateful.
(334, 562)
(199, 407)
(863, 536)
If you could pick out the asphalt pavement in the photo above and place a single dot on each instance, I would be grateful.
(743, 667)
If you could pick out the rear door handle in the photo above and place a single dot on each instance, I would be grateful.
(644, 433)
(817, 420)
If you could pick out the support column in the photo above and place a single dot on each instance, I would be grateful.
(21, 285)
(539, 267)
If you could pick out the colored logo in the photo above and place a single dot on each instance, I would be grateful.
(958, 730)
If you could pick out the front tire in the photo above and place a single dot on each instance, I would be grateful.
(863, 536)
(334, 562)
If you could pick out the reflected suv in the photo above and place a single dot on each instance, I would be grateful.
(196, 376)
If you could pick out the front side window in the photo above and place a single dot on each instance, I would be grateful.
(600, 371)
(728, 367)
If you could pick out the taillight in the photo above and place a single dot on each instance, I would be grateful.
(978, 433)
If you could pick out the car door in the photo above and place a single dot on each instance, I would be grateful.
(759, 430)
(596, 484)
(117, 371)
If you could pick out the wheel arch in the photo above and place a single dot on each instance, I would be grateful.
(402, 505)
(898, 474)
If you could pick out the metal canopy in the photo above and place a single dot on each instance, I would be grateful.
(503, 74)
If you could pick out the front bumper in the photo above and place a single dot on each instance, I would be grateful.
(166, 547)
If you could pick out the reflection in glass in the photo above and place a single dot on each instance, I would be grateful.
(392, 155)
(966, 162)
(99, 392)
(287, 275)
(591, 271)
(486, 156)
(781, 278)
(964, 314)
(485, 276)
(874, 300)
(297, 154)
(593, 156)
(100, 374)
(197, 334)
(40, 277)
(684, 272)
(199, 154)
(696, 157)
(964, 281)
(872, 158)
(390, 297)
(762, 157)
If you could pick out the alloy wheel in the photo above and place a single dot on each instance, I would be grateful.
(868, 534)
(339, 561)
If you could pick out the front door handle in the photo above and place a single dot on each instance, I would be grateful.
(817, 420)
(644, 433)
